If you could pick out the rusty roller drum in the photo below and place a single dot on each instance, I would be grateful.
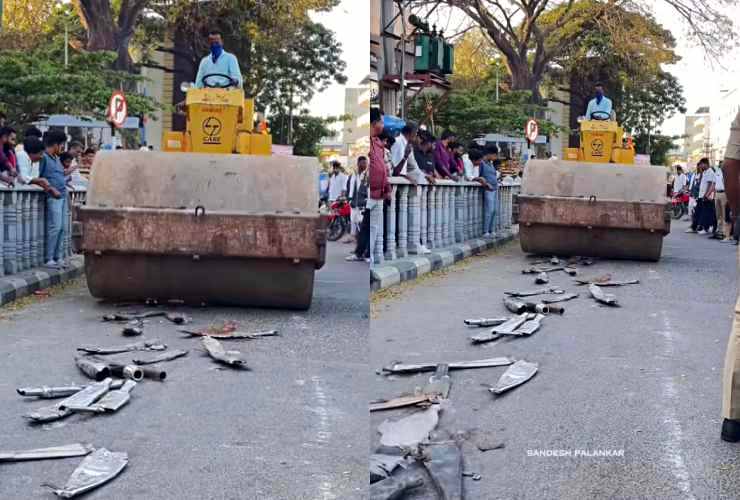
(228, 229)
(598, 210)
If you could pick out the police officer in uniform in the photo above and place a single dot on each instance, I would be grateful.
(731, 380)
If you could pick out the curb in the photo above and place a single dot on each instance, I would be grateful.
(409, 268)
(23, 284)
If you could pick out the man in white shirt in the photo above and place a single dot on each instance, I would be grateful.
(28, 162)
(27, 168)
(720, 205)
(404, 164)
(679, 181)
(337, 182)
(705, 216)
(472, 171)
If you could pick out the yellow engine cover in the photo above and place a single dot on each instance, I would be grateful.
(213, 117)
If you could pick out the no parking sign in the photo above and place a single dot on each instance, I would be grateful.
(118, 109)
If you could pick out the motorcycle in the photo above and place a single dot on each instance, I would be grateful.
(339, 219)
(680, 204)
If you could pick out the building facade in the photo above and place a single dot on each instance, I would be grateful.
(698, 138)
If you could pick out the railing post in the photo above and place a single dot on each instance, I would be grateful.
(11, 231)
(450, 236)
(460, 214)
(438, 216)
(445, 193)
(424, 190)
(27, 229)
(431, 216)
(390, 226)
(414, 221)
(403, 219)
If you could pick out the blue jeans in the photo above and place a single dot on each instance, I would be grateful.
(56, 217)
(489, 210)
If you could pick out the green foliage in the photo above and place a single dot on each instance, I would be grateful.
(659, 146)
(282, 53)
(471, 112)
(36, 83)
(625, 53)
(308, 132)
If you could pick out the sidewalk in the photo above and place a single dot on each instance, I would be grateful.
(19, 285)
(409, 268)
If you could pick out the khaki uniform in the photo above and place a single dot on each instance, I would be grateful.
(731, 381)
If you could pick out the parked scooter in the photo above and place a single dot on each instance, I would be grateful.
(680, 204)
(339, 219)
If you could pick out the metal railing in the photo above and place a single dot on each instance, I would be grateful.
(23, 227)
(439, 215)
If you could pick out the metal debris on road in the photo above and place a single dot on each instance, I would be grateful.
(609, 282)
(511, 325)
(66, 451)
(515, 306)
(85, 397)
(409, 431)
(111, 402)
(399, 368)
(231, 334)
(394, 488)
(154, 373)
(45, 392)
(531, 293)
(94, 369)
(382, 465)
(401, 402)
(555, 261)
(598, 279)
(483, 322)
(445, 467)
(178, 318)
(439, 383)
(515, 375)
(165, 356)
(121, 316)
(116, 369)
(542, 279)
(221, 355)
(572, 271)
(529, 327)
(132, 331)
(472, 475)
(144, 345)
(600, 296)
(561, 298)
(555, 309)
(95, 470)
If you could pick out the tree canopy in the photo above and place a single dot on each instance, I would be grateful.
(471, 112)
(531, 34)
(36, 82)
(308, 131)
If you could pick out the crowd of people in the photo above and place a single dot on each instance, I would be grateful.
(708, 209)
(49, 161)
(419, 157)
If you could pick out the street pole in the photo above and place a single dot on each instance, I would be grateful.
(403, 61)
(66, 45)
(496, 80)
(1, 16)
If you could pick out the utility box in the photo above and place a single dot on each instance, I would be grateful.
(422, 62)
(448, 65)
(437, 54)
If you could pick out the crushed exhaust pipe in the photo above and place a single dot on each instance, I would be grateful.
(154, 373)
(483, 322)
(515, 306)
(94, 369)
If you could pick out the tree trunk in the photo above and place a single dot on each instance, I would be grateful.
(523, 79)
(103, 33)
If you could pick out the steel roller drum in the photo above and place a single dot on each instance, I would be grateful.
(218, 229)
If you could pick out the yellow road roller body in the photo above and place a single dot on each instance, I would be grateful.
(204, 227)
(594, 208)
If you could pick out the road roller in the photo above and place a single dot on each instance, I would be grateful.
(213, 219)
(597, 202)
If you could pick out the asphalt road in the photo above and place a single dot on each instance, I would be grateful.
(294, 427)
(644, 378)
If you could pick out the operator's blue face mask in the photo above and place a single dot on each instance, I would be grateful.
(216, 50)
(599, 95)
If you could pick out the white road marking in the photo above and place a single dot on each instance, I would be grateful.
(673, 453)
(323, 435)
